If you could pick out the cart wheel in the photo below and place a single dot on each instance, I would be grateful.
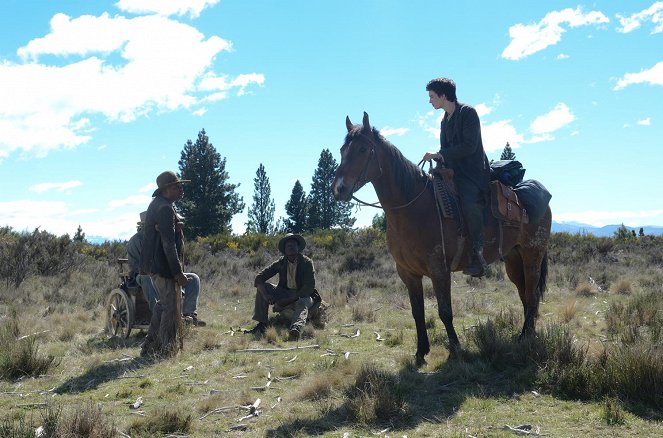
(120, 316)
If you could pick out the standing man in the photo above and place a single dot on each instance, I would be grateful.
(296, 285)
(461, 149)
(162, 259)
(191, 292)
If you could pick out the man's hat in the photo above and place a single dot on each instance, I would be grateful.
(143, 216)
(165, 179)
(301, 243)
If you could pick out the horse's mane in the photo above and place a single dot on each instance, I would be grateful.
(404, 170)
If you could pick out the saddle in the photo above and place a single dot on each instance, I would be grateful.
(504, 206)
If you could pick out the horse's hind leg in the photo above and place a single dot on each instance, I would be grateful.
(442, 286)
(513, 263)
(524, 270)
(416, 291)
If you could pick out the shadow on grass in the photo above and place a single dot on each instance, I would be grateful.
(432, 397)
(501, 368)
(108, 371)
(103, 342)
(103, 373)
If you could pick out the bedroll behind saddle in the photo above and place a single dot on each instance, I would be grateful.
(505, 205)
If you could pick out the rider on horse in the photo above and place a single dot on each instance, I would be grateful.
(461, 150)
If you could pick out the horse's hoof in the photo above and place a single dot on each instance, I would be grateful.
(419, 360)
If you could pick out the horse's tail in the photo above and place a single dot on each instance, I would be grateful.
(541, 287)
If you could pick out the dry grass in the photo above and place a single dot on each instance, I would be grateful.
(324, 392)
(569, 311)
(623, 286)
(586, 289)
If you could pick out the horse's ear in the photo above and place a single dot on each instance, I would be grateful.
(367, 125)
(348, 123)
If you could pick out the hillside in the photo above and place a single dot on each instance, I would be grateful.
(598, 346)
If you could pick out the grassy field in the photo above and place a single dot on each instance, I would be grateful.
(594, 369)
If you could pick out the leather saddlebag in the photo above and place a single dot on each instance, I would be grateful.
(504, 204)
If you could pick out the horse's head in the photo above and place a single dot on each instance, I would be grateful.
(359, 163)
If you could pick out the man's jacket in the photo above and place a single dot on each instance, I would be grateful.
(162, 244)
(304, 275)
(462, 148)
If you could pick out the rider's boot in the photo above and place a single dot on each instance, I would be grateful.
(477, 266)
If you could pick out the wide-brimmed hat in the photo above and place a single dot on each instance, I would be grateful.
(167, 178)
(301, 243)
(143, 216)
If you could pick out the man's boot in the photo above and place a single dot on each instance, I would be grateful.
(477, 266)
(259, 329)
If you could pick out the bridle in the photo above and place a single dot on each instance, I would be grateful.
(361, 181)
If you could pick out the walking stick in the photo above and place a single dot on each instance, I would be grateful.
(178, 316)
(179, 291)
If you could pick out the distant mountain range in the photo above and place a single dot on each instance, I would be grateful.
(606, 231)
(557, 227)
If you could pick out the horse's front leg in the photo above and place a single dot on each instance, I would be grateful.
(416, 291)
(442, 285)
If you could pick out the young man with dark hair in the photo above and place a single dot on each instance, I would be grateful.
(461, 150)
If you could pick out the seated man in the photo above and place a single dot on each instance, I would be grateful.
(190, 292)
(296, 285)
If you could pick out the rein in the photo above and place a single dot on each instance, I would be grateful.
(363, 177)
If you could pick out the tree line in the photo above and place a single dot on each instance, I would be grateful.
(211, 200)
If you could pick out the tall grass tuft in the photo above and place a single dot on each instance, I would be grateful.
(88, 421)
(375, 397)
(20, 356)
(16, 428)
(161, 423)
(640, 318)
(613, 412)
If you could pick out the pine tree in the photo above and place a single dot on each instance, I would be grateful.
(324, 211)
(507, 153)
(296, 209)
(210, 201)
(380, 222)
(261, 213)
(80, 235)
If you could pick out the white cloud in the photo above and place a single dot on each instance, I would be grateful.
(130, 200)
(389, 131)
(430, 123)
(199, 112)
(610, 217)
(56, 218)
(562, 56)
(496, 135)
(644, 122)
(148, 188)
(634, 21)
(557, 118)
(115, 67)
(60, 187)
(483, 109)
(527, 39)
(653, 76)
(168, 7)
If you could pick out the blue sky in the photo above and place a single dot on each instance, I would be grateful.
(97, 98)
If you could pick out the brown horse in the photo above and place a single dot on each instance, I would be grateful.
(424, 245)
